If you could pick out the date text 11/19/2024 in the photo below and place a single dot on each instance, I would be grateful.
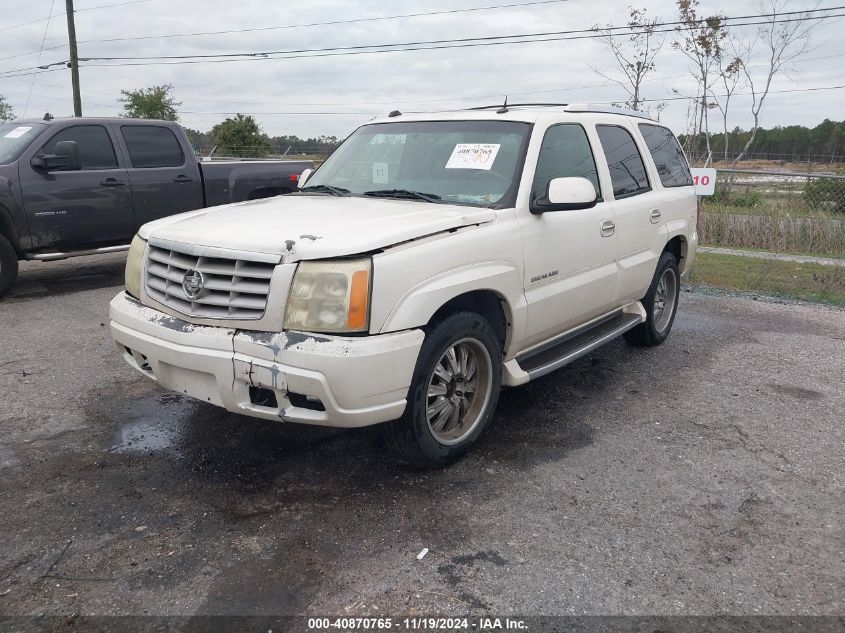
(416, 624)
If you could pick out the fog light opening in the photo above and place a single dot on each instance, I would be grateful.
(306, 402)
(261, 397)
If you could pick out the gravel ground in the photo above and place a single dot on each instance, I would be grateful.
(701, 477)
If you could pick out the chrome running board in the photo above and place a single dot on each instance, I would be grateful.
(546, 359)
(51, 257)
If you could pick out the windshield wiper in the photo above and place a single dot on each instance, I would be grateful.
(335, 191)
(402, 193)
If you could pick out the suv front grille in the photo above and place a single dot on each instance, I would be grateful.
(233, 288)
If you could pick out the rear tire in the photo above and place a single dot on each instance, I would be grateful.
(660, 303)
(8, 265)
(453, 393)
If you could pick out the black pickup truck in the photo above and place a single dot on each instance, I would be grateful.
(83, 186)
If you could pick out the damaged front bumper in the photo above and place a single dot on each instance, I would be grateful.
(298, 377)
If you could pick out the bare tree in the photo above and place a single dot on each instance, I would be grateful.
(700, 40)
(728, 74)
(656, 110)
(634, 52)
(784, 42)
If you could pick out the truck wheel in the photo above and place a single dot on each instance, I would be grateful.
(453, 393)
(660, 302)
(8, 265)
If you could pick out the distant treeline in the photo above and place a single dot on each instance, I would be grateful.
(321, 145)
(790, 143)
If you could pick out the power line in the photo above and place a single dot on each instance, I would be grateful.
(331, 23)
(35, 72)
(396, 102)
(296, 26)
(594, 32)
(591, 33)
(28, 72)
(741, 94)
(411, 46)
(100, 6)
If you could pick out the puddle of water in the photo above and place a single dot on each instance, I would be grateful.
(152, 424)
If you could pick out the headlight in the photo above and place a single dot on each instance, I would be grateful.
(134, 266)
(330, 296)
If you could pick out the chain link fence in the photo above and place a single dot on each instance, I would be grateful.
(783, 210)
(780, 191)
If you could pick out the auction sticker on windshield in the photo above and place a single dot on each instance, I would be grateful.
(473, 156)
(18, 132)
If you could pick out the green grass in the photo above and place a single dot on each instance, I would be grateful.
(808, 282)
(794, 208)
(821, 236)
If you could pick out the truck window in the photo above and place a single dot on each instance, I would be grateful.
(565, 152)
(152, 146)
(14, 139)
(95, 147)
(667, 154)
(627, 171)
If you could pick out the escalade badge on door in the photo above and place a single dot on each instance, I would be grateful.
(193, 283)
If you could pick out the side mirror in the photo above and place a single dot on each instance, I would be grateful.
(566, 194)
(66, 158)
(305, 175)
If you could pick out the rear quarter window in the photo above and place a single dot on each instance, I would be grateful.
(152, 146)
(667, 155)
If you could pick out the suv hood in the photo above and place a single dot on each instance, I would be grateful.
(312, 227)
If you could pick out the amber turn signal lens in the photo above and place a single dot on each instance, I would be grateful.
(358, 301)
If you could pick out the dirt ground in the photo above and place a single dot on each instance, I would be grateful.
(701, 477)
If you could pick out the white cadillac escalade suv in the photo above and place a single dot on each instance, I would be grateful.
(430, 260)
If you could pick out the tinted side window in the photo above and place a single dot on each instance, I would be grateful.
(667, 154)
(95, 147)
(152, 146)
(565, 153)
(627, 171)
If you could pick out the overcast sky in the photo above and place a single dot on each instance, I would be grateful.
(348, 90)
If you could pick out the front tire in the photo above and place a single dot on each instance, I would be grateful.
(661, 304)
(453, 393)
(8, 265)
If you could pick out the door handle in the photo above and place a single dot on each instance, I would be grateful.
(607, 228)
(654, 215)
(112, 182)
(182, 178)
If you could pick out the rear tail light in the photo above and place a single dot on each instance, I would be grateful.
(294, 177)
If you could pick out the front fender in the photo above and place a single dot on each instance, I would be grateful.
(13, 221)
(419, 303)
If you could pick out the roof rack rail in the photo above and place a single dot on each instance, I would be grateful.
(606, 109)
(519, 105)
(572, 107)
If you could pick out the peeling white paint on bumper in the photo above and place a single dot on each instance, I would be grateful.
(360, 380)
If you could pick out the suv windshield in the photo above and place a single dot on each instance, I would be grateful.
(457, 162)
(15, 137)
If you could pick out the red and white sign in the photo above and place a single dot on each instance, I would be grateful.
(704, 179)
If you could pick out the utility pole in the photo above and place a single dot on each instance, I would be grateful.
(74, 59)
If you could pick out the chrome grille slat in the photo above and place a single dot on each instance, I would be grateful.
(234, 288)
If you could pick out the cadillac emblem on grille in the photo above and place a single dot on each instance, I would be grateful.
(193, 283)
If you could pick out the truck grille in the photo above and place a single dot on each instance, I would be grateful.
(233, 288)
